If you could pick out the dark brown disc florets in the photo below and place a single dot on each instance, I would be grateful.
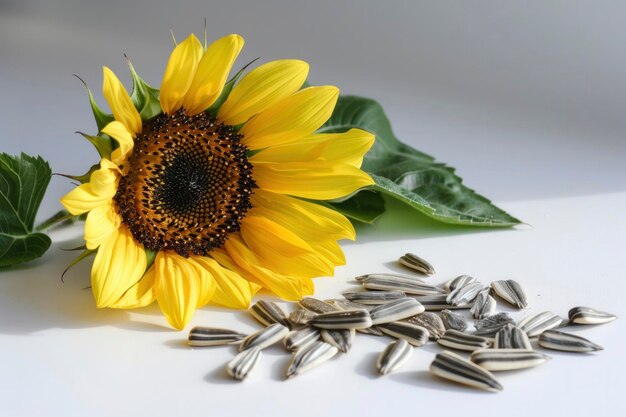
(188, 184)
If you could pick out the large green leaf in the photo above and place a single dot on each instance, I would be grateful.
(409, 175)
(23, 182)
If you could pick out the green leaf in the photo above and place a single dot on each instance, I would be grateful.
(144, 97)
(365, 206)
(23, 182)
(411, 176)
(228, 87)
(103, 144)
(102, 118)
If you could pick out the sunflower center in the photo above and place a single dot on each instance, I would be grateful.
(188, 184)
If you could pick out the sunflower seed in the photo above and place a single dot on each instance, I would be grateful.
(417, 264)
(407, 285)
(309, 357)
(489, 326)
(342, 304)
(389, 275)
(511, 292)
(316, 306)
(245, 361)
(507, 359)
(511, 337)
(458, 282)
(431, 322)
(453, 367)
(374, 297)
(464, 294)
(458, 340)
(264, 338)
(453, 320)
(394, 356)
(300, 317)
(396, 310)
(556, 340)
(438, 302)
(588, 315)
(345, 319)
(268, 312)
(536, 324)
(296, 339)
(340, 338)
(414, 334)
(484, 305)
(209, 336)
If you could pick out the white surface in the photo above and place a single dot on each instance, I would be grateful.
(526, 99)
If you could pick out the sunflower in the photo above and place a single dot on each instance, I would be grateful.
(213, 196)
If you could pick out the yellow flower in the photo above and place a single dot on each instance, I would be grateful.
(223, 199)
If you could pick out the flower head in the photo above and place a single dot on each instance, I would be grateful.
(208, 193)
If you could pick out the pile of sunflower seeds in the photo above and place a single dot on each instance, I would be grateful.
(405, 307)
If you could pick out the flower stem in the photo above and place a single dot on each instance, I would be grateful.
(60, 218)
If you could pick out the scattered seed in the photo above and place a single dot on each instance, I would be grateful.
(309, 357)
(300, 317)
(265, 337)
(507, 359)
(394, 356)
(511, 292)
(414, 334)
(489, 326)
(431, 322)
(296, 339)
(209, 336)
(556, 340)
(458, 340)
(536, 324)
(345, 319)
(588, 315)
(511, 337)
(453, 321)
(459, 282)
(343, 304)
(396, 310)
(484, 305)
(374, 297)
(438, 302)
(241, 366)
(268, 312)
(340, 338)
(363, 278)
(465, 294)
(316, 306)
(453, 367)
(417, 264)
(406, 285)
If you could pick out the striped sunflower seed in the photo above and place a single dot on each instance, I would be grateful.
(244, 363)
(416, 263)
(455, 368)
(431, 322)
(511, 337)
(394, 356)
(300, 317)
(438, 303)
(340, 338)
(465, 294)
(453, 321)
(268, 312)
(556, 340)
(316, 306)
(396, 310)
(309, 357)
(458, 340)
(459, 282)
(374, 297)
(397, 283)
(265, 337)
(507, 359)
(209, 336)
(510, 291)
(342, 304)
(414, 334)
(296, 339)
(489, 326)
(588, 315)
(363, 278)
(484, 305)
(538, 323)
(345, 319)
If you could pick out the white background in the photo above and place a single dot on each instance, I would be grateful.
(526, 100)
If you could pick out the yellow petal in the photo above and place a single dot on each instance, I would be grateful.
(317, 180)
(231, 290)
(179, 73)
(139, 295)
(348, 148)
(118, 131)
(99, 190)
(119, 264)
(291, 118)
(120, 102)
(211, 74)
(181, 286)
(102, 222)
(261, 88)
